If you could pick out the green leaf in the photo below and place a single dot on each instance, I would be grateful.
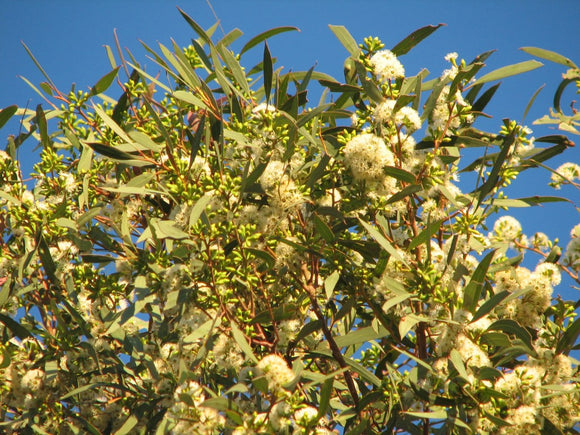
(334, 86)
(457, 362)
(231, 37)
(568, 339)
(323, 229)
(330, 283)
(166, 229)
(360, 336)
(407, 191)
(511, 327)
(425, 235)
(482, 101)
(240, 339)
(265, 35)
(473, 289)
(267, 65)
(111, 124)
(196, 27)
(92, 386)
(493, 178)
(404, 46)
(325, 393)
(118, 155)
(399, 174)
(128, 426)
(527, 202)
(549, 55)
(381, 240)
(531, 102)
(38, 65)
(6, 114)
(355, 366)
(42, 127)
(489, 305)
(104, 82)
(346, 40)
(433, 415)
(509, 70)
(16, 328)
(408, 322)
(318, 171)
(235, 68)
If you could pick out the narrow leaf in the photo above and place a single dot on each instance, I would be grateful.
(425, 235)
(407, 191)
(404, 46)
(489, 305)
(6, 114)
(568, 339)
(375, 234)
(104, 82)
(323, 229)
(240, 339)
(509, 70)
(16, 328)
(549, 55)
(346, 40)
(267, 65)
(265, 35)
(531, 102)
(196, 27)
(473, 289)
(399, 174)
(42, 127)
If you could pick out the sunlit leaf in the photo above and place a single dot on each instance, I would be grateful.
(265, 35)
(404, 46)
(549, 55)
(509, 70)
(346, 40)
(104, 82)
(6, 114)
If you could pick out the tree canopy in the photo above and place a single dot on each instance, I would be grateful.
(214, 252)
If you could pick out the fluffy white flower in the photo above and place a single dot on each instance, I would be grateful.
(571, 256)
(405, 116)
(550, 272)
(305, 416)
(263, 107)
(575, 232)
(386, 65)
(276, 371)
(507, 228)
(366, 155)
(566, 173)
(451, 56)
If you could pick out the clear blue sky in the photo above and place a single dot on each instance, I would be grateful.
(67, 37)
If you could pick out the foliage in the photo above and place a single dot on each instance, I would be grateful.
(209, 253)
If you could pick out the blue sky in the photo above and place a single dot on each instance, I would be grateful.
(68, 37)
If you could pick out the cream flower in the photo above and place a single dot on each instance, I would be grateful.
(366, 155)
(386, 65)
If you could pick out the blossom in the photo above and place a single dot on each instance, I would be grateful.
(366, 155)
(507, 228)
(386, 65)
(263, 108)
(565, 174)
(306, 416)
(575, 232)
(571, 255)
(276, 371)
(451, 56)
(405, 116)
(549, 271)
